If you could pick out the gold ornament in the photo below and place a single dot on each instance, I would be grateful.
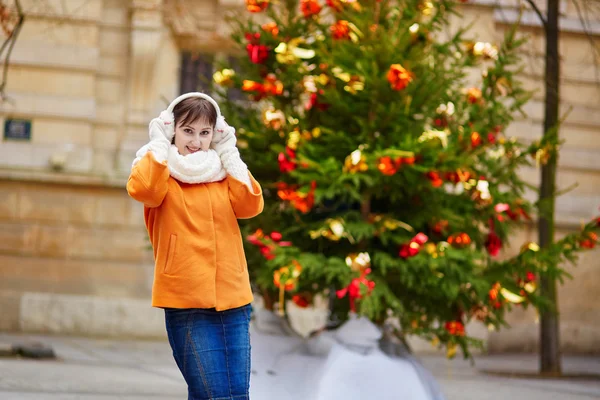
(335, 231)
(511, 297)
(358, 262)
(483, 49)
(355, 83)
(355, 162)
(289, 53)
(451, 349)
(530, 246)
(442, 136)
(274, 119)
(224, 77)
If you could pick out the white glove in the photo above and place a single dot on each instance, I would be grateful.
(223, 137)
(223, 142)
(160, 149)
(159, 144)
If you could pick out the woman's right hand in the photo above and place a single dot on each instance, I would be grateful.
(159, 144)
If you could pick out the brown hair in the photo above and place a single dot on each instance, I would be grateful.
(193, 109)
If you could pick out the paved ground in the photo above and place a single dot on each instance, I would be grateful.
(91, 369)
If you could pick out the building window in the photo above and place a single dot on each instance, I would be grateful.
(196, 73)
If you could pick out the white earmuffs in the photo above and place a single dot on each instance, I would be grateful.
(169, 119)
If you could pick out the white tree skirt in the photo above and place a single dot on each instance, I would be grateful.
(346, 365)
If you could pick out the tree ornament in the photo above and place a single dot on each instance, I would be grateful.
(286, 279)
(412, 248)
(475, 139)
(287, 160)
(274, 119)
(301, 300)
(435, 179)
(271, 28)
(270, 87)
(494, 295)
(340, 30)
(493, 244)
(459, 240)
(399, 77)
(430, 135)
(355, 162)
(485, 50)
(334, 231)
(256, 6)
(358, 262)
(302, 202)
(474, 95)
(353, 290)
(455, 328)
(387, 166)
(258, 53)
(310, 8)
(224, 77)
(451, 349)
(589, 241)
(289, 53)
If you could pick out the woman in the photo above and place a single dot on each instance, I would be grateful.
(194, 187)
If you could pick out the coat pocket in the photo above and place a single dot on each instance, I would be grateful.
(170, 255)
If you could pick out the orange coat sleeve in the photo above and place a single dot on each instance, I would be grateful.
(148, 181)
(245, 203)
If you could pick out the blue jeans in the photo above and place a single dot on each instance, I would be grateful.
(212, 350)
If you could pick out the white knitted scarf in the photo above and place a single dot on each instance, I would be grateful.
(198, 167)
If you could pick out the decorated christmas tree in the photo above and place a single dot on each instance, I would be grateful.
(391, 187)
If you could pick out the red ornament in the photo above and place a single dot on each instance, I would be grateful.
(590, 241)
(435, 179)
(276, 236)
(455, 328)
(335, 4)
(493, 244)
(340, 30)
(529, 277)
(310, 8)
(300, 300)
(271, 86)
(491, 138)
(399, 77)
(287, 161)
(353, 290)
(414, 246)
(255, 6)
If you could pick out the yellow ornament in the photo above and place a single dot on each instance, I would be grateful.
(511, 297)
(224, 77)
(356, 162)
(274, 119)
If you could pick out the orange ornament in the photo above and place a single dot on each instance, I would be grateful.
(399, 77)
(459, 240)
(475, 139)
(271, 28)
(387, 166)
(255, 6)
(474, 95)
(340, 30)
(310, 8)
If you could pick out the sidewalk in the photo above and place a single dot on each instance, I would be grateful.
(94, 369)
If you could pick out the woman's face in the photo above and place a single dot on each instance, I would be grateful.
(192, 137)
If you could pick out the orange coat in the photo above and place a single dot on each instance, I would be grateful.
(198, 251)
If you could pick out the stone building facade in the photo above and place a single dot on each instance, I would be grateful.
(85, 78)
